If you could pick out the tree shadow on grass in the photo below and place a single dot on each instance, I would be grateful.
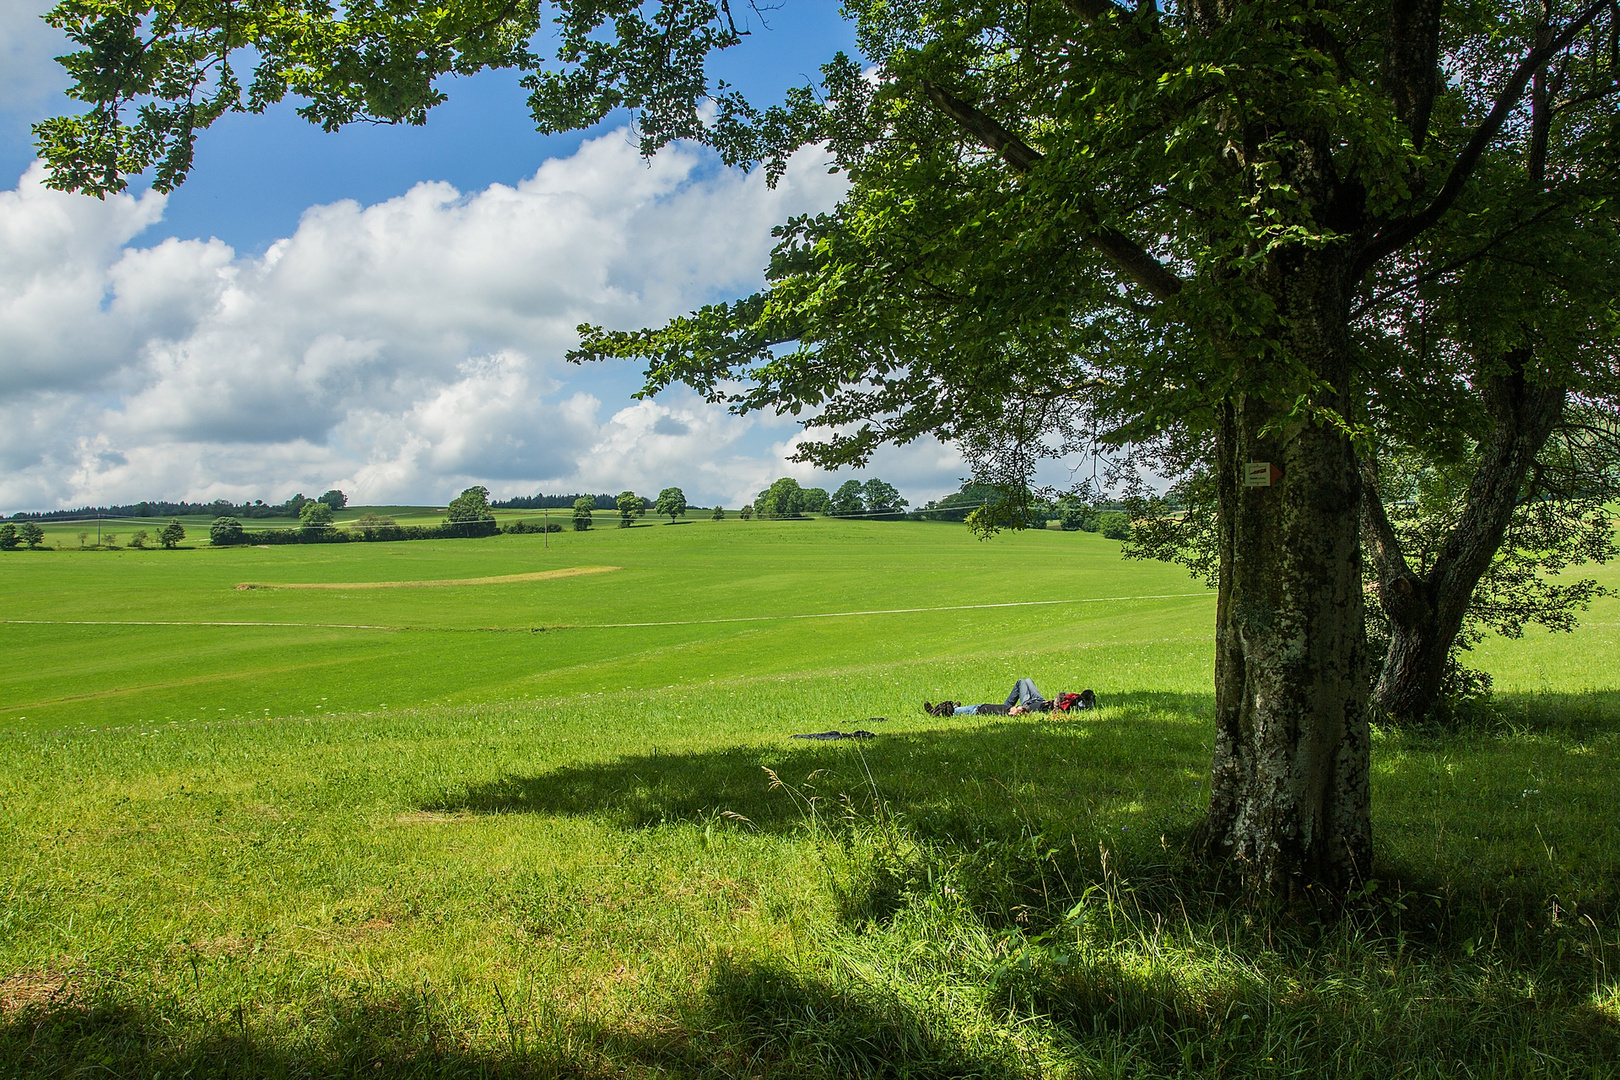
(1140, 761)
(1129, 1017)
(389, 1040)
(767, 1018)
(1034, 811)
(1497, 829)
(745, 1020)
(1184, 985)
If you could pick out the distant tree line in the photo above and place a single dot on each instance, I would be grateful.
(258, 508)
(786, 498)
(959, 504)
(872, 499)
(30, 535)
(1108, 517)
(539, 501)
(383, 533)
(876, 499)
(468, 515)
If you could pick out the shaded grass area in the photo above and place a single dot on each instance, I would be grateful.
(602, 888)
(950, 776)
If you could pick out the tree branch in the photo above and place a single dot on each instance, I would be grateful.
(1126, 254)
(1458, 263)
(1014, 151)
(1396, 234)
(1540, 117)
(1523, 415)
(1590, 96)
(1389, 559)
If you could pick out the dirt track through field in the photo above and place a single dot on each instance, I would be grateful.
(502, 579)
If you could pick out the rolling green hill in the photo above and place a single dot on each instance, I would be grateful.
(129, 636)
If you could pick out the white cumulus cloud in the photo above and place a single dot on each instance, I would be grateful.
(400, 351)
(404, 349)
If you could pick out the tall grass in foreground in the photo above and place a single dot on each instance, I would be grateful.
(601, 887)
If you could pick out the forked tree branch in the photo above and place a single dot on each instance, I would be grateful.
(1397, 234)
(1376, 529)
(1126, 254)
(1456, 264)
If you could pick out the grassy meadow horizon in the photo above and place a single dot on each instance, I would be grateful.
(145, 636)
(118, 637)
(531, 806)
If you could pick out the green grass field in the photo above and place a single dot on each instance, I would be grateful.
(556, 826)
(126, 637)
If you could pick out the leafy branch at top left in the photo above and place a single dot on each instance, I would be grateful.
(156, 73)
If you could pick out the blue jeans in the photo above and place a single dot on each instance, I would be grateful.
(1024, 692)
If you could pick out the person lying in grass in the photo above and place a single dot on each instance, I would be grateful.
(1026, 697)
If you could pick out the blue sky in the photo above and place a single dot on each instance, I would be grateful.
(256, 174)
(385, 309)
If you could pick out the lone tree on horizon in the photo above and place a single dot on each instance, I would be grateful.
(631, 506)
(671, 503)
(315, 516)
(471, 505)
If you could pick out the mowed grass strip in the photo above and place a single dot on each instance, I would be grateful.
(498, 579)
(617, 862)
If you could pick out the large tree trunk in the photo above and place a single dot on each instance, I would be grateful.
(1426, 611)
(1289, 787)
